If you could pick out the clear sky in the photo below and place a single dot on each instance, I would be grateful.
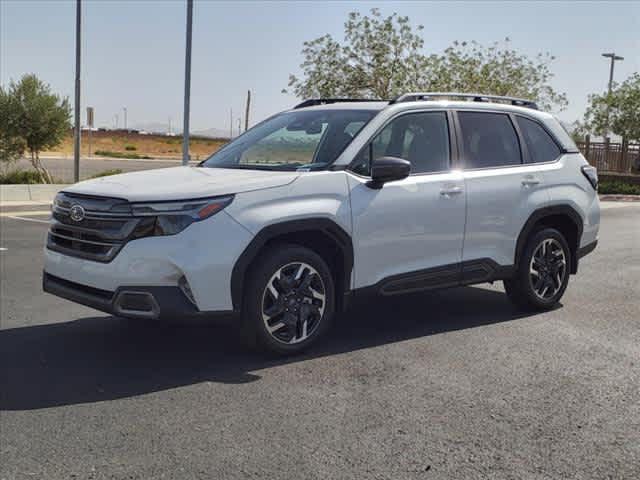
(133, 51)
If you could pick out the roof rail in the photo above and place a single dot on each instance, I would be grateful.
(324, 101)
(475, 97)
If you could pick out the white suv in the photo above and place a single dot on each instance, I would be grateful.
(332, 200)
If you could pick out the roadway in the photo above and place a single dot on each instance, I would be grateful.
(452, 384)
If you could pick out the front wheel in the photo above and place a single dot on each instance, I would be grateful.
(290, 299)
(543, 272)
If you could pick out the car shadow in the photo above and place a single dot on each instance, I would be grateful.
(104, 358)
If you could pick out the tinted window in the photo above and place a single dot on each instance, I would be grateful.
(489, 140)
(540, 145)
(420, 138)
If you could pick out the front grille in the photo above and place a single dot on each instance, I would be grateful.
(106, 226)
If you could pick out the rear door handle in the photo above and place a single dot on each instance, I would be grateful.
(530, 180)
(448, 191)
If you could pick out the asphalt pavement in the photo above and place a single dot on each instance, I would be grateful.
(454, 384)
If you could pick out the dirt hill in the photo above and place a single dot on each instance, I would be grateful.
(135, 145)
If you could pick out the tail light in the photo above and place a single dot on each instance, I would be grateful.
(591, 173)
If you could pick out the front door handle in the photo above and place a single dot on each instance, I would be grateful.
(530, 180)
(449, 191)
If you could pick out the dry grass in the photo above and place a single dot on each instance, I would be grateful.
(154, 146)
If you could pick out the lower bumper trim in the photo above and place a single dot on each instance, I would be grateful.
(135, 302)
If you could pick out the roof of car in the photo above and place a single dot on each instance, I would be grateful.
(467, 105)
(359, 105)
(428, 104)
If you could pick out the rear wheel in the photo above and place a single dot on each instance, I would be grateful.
(290, 299)
(543, 271)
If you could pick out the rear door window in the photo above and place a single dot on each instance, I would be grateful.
(540, 145)
(489, 140)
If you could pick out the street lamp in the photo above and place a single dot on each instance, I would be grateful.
(613, 58)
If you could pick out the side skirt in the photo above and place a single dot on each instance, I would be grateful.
(453, 275)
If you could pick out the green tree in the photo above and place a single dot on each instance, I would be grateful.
(11, 146)
(379, 58)
(469, 67)
(37, 117)
(382, 57)
(617, 113)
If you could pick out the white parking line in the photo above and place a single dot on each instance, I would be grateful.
(27, 213)
(28, 219)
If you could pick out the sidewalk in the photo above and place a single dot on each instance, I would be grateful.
(28, 195)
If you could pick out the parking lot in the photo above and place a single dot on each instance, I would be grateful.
(452, 384)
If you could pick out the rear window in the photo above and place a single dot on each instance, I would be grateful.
(489, 140)
(540, 145)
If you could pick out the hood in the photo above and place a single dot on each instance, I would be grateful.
(179, 183)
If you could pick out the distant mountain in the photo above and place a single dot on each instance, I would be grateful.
(154, 127)
(211, 133)
(163, 128)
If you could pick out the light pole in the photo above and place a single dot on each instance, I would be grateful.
(76, 133)
(187, 86)
(613, 58)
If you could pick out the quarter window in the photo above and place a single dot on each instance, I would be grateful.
(540, 145)
(421, 138)
(489, 140)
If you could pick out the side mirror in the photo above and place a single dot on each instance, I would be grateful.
(388, 169)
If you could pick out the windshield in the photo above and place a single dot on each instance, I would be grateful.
(293, 140)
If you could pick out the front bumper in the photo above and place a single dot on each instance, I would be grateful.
(151, 302)
(204, 254)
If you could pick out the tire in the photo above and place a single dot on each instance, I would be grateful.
(289, 301)
(540, 283)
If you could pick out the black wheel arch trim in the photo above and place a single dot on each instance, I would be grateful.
(539, 215)
(587, 249)
(325, 226)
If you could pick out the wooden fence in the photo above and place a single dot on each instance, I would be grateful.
(611, 157)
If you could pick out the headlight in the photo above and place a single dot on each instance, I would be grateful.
(169, 218)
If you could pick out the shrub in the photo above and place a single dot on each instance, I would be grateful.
(109, 153)
(106, 173)
(130, 148)
(618, 188)
(17, 177)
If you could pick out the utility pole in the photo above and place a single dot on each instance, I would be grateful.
(613, 58)
(246, 112)
(230, 123)
(125, 117)
(76, 133)
(239, 126)
(187, 86)
(90, 125)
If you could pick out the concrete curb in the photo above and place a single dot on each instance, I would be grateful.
(13, 194)
(619, 198)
